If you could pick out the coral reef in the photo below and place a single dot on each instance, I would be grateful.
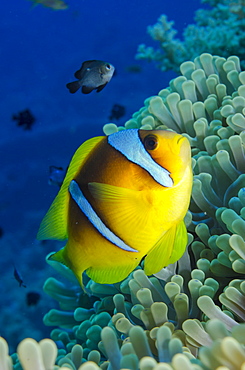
(150, 326)
(219, 30)
(190, 315)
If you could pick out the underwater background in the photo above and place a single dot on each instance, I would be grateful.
(41, 49)
(163, 316)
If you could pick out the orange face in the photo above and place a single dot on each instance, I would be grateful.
(170, 150)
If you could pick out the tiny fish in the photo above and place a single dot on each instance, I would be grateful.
(52, 4)
(93, 75)
(18, 278)
(124, 198)
(32, 298)
(24, 119)
(56, 175)
(117, 112)
(133, 68)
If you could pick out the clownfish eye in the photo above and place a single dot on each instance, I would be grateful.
(150, 142)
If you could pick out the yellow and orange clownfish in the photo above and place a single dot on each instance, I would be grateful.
(124, 197)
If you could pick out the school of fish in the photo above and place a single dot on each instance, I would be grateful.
(123, 199)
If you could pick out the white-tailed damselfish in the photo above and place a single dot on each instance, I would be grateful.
(124, 198)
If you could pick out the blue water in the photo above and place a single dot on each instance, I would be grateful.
(40, 51)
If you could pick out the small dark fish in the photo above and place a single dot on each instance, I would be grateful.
(52, 4)
(25, 119)
(18, 278)
(133, 68)
(56, 175)
(93, 75)
(117, 112)
(1, 232)
(32, 298)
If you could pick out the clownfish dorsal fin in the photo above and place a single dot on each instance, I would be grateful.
(54, 224)
(169, 248)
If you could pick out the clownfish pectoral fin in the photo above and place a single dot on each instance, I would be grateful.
(167, 250)
(126, 207)
(54, 223)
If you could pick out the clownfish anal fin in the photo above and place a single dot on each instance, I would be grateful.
(78, 269)
(116, 274)
(169, 248)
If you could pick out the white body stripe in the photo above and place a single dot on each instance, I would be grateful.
(89, 212)
(129, 144)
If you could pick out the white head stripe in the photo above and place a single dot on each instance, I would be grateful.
(129, 144)
(89, 212)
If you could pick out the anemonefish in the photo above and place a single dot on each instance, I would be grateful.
(124, 198)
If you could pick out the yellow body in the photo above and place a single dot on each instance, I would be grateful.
(144, 214)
